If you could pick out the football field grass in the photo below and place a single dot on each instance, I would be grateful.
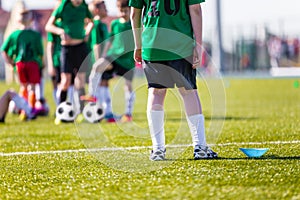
(40, 160)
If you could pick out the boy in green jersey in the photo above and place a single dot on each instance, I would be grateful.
(170, 47)
(99, 32)
(53, 61)
(74, 31)
(24, 49)
(117, 60)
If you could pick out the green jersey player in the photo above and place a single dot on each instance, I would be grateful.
(74, 30)
(172, 31)
(117, 60)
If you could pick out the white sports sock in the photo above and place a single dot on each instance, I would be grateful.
(56, 100)
(156, 126)
(197, 128)
(103, 97)
(70, 94)
(22, 104)
(100, 95)
(94, 80)
(57, 95)
(129, 99)
(38, 91)
(76, 101)
(107, 99)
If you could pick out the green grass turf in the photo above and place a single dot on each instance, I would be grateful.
(259, 112)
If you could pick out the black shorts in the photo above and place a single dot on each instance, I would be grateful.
(117, 69)
(167, 74)
(74, 58)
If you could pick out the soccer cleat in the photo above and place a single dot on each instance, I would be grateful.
(88, 98)
(22, 115)
(111, 118)
(57, 121)
(204, 152)
(126, 118)
(32, 115)
(158, 155)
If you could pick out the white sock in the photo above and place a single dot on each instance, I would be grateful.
(100, 95)
(129, 99)
(56, 100)
(38, 90)
(71, 94)
(107, 99)
(76, 101)
(156, 126)
(22, 104)
(57, 95)
(197, 128)
(94, 80)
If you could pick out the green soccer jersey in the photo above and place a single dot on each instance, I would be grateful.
(55, 39)
(167, 32)
(24, 45)
(98, 34)
(122, 44)
(72, 18)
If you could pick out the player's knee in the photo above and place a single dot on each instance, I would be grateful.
(10, 93)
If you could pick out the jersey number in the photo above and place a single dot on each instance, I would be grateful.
(155, 12)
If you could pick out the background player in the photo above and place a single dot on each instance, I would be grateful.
(118, 59)
(20, 102)
(76, 25)
(24, 49)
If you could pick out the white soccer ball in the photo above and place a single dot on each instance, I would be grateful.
(66, 112)
(93, 112)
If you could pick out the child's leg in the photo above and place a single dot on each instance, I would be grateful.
(19, 101)
(155, 116)
(98, 68)
(194, 114)
(4, 102)
(129, 97)
(23, 91)
(31, 95)
(104, 97)
(64, 85)
(79, 90)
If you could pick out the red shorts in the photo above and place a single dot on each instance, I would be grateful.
(29, 72)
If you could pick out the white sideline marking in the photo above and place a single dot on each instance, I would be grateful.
(137, 147)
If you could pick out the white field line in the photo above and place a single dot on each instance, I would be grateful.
(138, 147)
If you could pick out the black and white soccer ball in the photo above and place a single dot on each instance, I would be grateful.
(93, 112)
(66, 112)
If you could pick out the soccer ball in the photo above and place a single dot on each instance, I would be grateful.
(65, 112)
(93, 112)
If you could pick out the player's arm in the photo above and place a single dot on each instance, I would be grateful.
(8, 59)
(88, 29)
(135, 17)
(97, 51)
(50, 27)
(196, 18)
(106, 48)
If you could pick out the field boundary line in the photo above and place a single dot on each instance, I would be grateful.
(137, 148)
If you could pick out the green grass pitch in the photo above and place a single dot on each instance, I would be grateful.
(40, 160)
